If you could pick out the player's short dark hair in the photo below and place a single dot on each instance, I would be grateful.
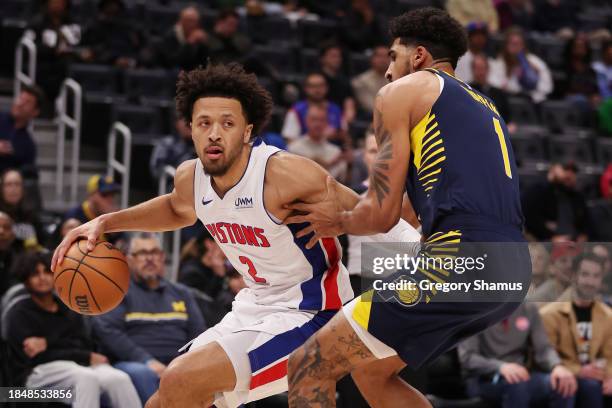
(36, 92)
(226, 81)
(25, 264)
(433, 29)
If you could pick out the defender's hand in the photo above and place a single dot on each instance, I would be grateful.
(90, 230)
(324, 216)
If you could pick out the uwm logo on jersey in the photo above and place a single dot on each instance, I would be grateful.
(226, 232)
(244, 202)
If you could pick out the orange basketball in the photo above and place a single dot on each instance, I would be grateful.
(92, 283)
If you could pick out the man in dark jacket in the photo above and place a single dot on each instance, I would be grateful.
(156, 318)
(51, 348)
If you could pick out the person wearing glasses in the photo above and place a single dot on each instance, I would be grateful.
(156, 317)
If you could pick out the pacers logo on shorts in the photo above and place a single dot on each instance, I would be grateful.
(403, 290)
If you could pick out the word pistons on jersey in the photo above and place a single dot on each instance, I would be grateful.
(240, 234)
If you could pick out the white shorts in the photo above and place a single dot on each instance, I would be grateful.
(258, 340)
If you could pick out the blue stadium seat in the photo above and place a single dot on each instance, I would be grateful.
(271, 30)
(141, 83)
(559, 116)
(144, 122)
(16, 9)
(95, 79)
(11, 31)
(159, 19)
(358, 63)
(603, 147)
(309, 60)
(280, 58)
(523, 111)
(528, 148)
(588, 183)
(549, 48)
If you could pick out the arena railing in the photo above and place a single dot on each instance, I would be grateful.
(121, 167)
(73, 123)
(29, 78)
(168, 173)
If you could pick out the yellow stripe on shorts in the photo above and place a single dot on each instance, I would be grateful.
(361, 312)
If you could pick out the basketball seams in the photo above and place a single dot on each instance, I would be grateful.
(99, 272)
(98, 257)
(76, 270)
(89, 288)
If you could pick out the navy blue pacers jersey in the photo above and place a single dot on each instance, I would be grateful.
(461, 160)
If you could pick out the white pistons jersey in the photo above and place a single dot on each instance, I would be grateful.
(276, 265)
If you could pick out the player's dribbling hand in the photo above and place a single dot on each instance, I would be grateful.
(563, 381)
(324, 216)
(514, 373)
(97, 359)
(90, 231)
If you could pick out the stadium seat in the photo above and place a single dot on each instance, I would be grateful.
(16, 9)
(358, 129)
(559, 116)
(603, 147)
(588, 183)
(530, 176)
(314, 33)
(549, 48)
(528, 148)
(280, 58)
(523, 111)
(95, 79)
(266, 30)
(600, 216)
(97, 116)
(402, 6)
(277, 119)
(569, 148)
(142, 83)
(10, 32)
(159, 19)
(309, 60)
(144, 122)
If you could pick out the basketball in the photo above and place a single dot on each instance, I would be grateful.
(92, 283)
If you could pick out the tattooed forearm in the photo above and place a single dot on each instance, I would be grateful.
(379, 179)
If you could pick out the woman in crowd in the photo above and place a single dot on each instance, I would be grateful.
(14, 202)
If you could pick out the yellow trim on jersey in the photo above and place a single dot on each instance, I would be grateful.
(156, 316)
(430, 174)
(437, 161)
(417, 136)
(361, 312)
(437, 236)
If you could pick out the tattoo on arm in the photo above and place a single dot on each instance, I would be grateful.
(379, 179)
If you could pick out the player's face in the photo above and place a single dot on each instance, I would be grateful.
(220, 132)
(41, 282)
(588, 279)
(404, 60)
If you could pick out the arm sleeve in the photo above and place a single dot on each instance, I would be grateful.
(111, 331)
(475, 363)
(544, 353)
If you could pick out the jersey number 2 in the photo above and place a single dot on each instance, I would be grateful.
(252, 271)
(504, 148)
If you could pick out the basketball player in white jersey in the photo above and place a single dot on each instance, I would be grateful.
(240, 190)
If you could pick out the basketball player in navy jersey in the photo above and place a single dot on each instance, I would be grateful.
(240, 190)
(448, 148)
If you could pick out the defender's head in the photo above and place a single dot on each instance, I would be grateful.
(226, 108)
(422, 38)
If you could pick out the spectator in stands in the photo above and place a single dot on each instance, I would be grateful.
(367, 84)
(101, 193)
(517, 13)
(68, 225)
(112, 38)
(496, 364)
(10, 248)
(478, 36)
(315, 91)
(172, 150)
(517, 71)
(19, 208)
(315, 146)
(51, 346)
(235, 283)
(555, 209)
(580, 84)
(203, 265)
(603, 69)
(339, 87)
(556, 17)
(361, 26)
(562, 258)
(539, 264)
(602, 251)
(156, 317)
(226, 43)
(474, 11)
(185, 45)
(581, 331)
(480, 82)
(17, 148)
(58, 41)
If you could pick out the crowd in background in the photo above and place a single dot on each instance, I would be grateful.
(557, 347)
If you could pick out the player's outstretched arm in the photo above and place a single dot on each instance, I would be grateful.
(163, 213)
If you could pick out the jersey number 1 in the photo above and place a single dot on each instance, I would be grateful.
(252, 271)
(504, 148)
